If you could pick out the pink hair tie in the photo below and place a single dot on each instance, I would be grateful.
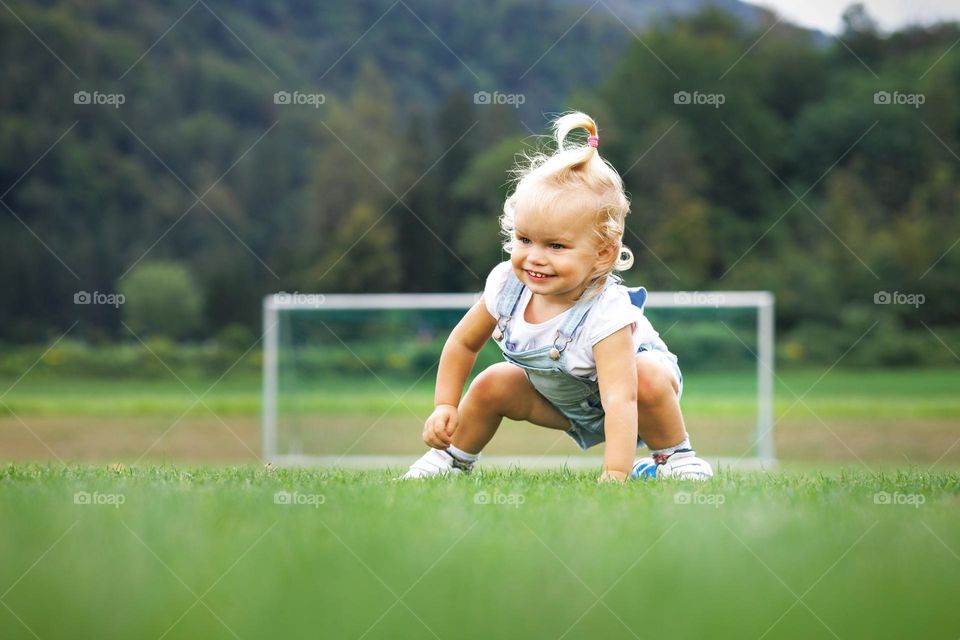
(593, 141)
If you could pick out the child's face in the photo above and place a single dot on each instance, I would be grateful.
(555, 253)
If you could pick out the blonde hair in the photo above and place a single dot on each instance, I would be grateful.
(576, 174)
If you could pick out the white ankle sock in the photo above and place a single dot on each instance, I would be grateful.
(461, 455)
(669, 450)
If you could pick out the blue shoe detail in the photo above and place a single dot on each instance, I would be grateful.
(644, 469)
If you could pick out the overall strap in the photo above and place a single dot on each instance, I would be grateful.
(510, 296)
(576, 318)
(507, 304)
(577, 315)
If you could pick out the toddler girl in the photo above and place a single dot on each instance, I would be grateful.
(580, 356)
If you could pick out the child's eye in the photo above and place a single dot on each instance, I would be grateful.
(556, 245)
(523, 240)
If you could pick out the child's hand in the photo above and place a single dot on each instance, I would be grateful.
(439, 428)
(612, 476)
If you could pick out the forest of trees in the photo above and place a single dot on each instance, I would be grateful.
(827, 175)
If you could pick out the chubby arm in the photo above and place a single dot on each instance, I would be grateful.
(457, 360)
(460, 353)
(617, 376)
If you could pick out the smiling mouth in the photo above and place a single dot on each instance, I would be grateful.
(536, 275)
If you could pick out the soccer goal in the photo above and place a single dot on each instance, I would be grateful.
(348, 379)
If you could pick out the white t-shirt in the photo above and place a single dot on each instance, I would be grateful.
(611, 311)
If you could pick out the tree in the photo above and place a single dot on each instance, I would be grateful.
(161, 299)
(362, 256)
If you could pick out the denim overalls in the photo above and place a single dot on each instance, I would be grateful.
(578, 399)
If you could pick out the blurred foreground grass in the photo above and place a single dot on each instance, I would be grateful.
(203, 552)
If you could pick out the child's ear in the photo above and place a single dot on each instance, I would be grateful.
(607, 255)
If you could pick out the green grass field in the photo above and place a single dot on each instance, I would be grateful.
(905, 393)
(167, 552)
(844, 417)
(855, 535)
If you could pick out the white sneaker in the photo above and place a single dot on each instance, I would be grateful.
(435, 462)
(683, 465)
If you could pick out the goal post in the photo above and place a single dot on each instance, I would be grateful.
(304, 333)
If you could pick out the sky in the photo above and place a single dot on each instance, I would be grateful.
(890, 15)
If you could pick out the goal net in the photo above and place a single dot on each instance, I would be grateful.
(348, 379)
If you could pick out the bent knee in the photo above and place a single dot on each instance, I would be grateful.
(655, 381)
(496, 383)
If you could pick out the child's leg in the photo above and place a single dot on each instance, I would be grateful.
(659, 419)
(661, 424)
(501, 391)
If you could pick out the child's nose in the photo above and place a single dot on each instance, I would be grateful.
(536, 254)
